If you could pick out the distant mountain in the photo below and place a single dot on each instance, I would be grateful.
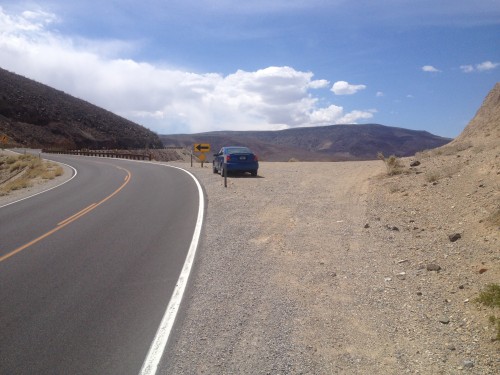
(324, 143)
(36, 115)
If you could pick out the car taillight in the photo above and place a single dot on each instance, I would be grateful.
(255, 158)
(228, 158)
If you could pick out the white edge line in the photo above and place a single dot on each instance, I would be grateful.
(150, 365)
(44, 191)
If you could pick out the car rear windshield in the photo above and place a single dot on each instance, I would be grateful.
(238, 150)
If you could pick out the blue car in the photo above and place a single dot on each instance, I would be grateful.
(235, 159)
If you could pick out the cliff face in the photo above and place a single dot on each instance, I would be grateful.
(36, 115)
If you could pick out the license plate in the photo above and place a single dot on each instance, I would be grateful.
(243, 158)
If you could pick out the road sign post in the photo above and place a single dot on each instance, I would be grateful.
(202, 148)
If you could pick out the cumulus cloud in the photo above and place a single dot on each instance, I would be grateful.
(482, 67)
(345, 88)
(430, 69)
(164, 99)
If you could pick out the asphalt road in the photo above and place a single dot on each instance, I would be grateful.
(87, 269)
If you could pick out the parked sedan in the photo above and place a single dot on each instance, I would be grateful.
(235, 159)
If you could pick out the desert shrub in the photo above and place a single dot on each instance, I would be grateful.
(292, 160)
(491, 297)
(11, 160)
(17, 184)
(432, 176)
(18, 165)
(393, 164)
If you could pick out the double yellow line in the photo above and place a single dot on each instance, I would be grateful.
(70, 219)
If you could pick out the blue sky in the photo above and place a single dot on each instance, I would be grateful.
(186, 66)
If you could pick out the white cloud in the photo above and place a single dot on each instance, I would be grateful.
(487, 65)
(319, 84)
(482, 67)
(164, 99)
(430, 69)
(345, 88)
(379, 94)
(467, 68)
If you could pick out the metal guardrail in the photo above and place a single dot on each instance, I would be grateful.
(100, 153)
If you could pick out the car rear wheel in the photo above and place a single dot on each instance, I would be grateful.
(214, 169)
(254, 173)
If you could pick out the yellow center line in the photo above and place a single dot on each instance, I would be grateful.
(82, 212)
(69, 220)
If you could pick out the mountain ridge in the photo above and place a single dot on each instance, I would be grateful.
(322, 143)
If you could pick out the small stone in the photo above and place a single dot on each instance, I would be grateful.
(394, 228)
(367, 226)
(454, 237)
(419, 294)
(401, 276)
(415, 163)
(482, 270)
(433, 267)
(444, 320)
(468, 363)
(461, 287)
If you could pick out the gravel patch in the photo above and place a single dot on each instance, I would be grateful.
(317, 268)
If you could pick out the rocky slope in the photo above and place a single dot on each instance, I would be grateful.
(35, 115)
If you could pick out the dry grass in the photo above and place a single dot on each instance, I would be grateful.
(491, 297)
(19, 172)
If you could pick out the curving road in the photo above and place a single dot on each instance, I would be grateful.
(87, 269)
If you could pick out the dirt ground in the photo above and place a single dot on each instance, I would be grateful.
(318, 268)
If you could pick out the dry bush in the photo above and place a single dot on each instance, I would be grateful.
(393, 164)
(293, 160)
(16, 184)
(432, 176)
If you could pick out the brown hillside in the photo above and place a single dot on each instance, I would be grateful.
(36, 115)
(485, 126)
(322, 143)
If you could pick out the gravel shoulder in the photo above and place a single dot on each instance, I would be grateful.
(302, 271)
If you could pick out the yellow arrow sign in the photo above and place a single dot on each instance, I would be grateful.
(201, 147)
